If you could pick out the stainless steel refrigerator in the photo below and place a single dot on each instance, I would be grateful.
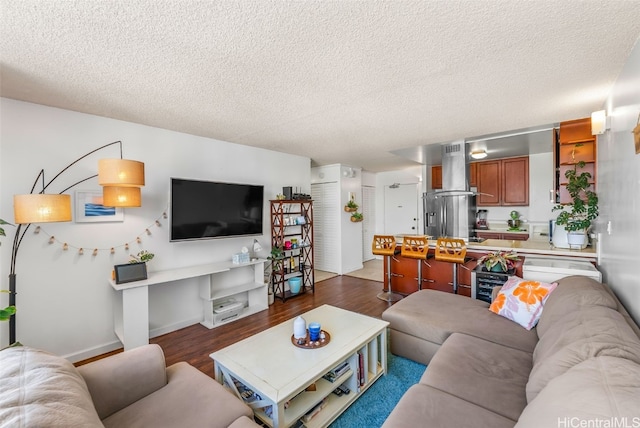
(449, 214)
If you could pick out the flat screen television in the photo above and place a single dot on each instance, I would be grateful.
(207, 209)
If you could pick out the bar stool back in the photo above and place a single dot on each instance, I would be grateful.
(453, 251)
(385, 245)
(416, 247)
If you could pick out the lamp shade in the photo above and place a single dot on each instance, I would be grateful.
(114, 196)
(120, 173)
(41, 208)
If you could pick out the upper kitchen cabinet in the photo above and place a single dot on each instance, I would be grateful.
(573, 144)
(473, 174)
(503, 182)
(436, 177)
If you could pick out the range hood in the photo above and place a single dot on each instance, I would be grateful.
(450, 212)
(455, 170)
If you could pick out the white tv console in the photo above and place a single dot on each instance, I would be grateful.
(219, 281)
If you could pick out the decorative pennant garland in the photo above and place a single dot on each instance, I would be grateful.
(81, 250)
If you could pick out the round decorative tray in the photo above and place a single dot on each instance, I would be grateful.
(307, 344)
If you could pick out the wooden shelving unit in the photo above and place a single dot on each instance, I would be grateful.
(292, 219)
(574, 144)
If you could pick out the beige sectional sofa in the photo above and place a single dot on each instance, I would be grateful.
(579, 367)
(130, 389)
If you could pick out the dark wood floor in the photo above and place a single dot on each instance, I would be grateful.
(194, 343)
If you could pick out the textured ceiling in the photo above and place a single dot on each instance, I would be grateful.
(337, 81)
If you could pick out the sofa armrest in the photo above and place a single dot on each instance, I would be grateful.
(117, 381)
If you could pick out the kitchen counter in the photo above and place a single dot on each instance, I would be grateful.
(529, 247)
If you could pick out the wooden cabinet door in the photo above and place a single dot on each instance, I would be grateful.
(436, 177)
(488, 177)
(473, 174)
(405, 272)
(515, 236)
(515, 181)
(489, 235)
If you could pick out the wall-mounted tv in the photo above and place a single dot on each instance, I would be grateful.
(207, 209)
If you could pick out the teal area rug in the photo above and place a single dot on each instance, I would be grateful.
(377, 402)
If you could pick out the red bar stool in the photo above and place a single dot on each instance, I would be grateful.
(416, 247)
(385, 245)
(453, 251)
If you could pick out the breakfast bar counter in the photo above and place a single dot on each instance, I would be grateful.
(438, 274)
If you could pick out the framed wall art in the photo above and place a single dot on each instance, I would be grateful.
(89, 208)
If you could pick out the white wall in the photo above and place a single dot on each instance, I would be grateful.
(65, 304)
(619, 189)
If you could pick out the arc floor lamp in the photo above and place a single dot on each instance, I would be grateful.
(121, 180)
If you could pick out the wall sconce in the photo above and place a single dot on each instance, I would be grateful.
(39, 207)
(599, 122)
(479, 154)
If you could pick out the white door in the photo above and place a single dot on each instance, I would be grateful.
(326, 221)
(401, 209)
(369, 221)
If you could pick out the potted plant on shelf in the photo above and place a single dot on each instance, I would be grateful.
(576, 217)
(351, 206)
(142, 257)
(6, 313)
(499, 261)
(356, 217)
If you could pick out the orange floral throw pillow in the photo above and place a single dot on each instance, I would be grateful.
(521, 300)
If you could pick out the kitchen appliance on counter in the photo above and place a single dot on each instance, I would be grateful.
(451, 212)
(514, 221)
(481, 220)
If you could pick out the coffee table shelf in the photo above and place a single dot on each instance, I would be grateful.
(278, 384)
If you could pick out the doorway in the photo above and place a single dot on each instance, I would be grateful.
(401, 209)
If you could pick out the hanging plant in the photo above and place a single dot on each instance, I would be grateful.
(356, 217)
(351, 207)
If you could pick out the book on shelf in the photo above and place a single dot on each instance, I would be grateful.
(315, 410)
(338, 371)
(361, 368)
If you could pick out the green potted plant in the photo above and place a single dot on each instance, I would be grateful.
(351, 206)
(6, 313)
(576, 217)
(142, 257)
(356, 217)
(499, 261)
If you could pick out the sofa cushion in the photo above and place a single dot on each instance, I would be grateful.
(124, 378)
(187, 390)
(38, 389)
(601, 390)
(423, 405)
(572, 293)
(520, 300)
(490, 375)
(580, 335)
(434, 315)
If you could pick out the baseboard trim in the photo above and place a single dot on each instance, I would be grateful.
(112, 346)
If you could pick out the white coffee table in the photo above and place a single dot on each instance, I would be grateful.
(279, 372)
